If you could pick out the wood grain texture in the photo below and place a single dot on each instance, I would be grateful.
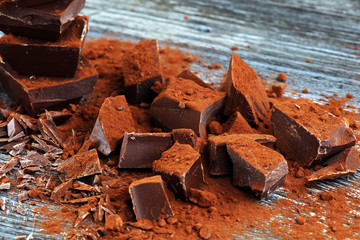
(281, 34)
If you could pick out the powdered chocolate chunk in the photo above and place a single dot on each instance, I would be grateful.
(141, 68)
(342, 164)
(140, 150)
(256, 167)
(181, 169)
(187, 74)
(219, 162)
(149, 198)
(184, 136)
(113, 121)
(185, 104)
(245, 92)
(60, 190)
(81, 165)
(237, 124)
(202, 198)
(308, 134)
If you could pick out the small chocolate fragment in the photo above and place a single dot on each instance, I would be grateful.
(49, 130)
(113, 121)
(29, 56)
(184, 136)
(185, 104)
(13, 128)
(181, 169)
(202, 198)
(58, 116)
(140, 150)
(342, 164)
(256, 167)
(149, 198)
(44, 21)
(237, 124)
(219, 162)
(187, 74)
(308, 134)
(37, 93)
(245, 92)
(141, 68)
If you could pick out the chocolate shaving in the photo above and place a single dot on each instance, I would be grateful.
(5, 186)
(60, 190)
(9, 165)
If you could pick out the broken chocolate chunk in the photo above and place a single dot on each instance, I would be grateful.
(185, 104)
(140, 150)
(245, 92)
(149, 198)
(308, 134)
(49, 130)
(181, 169)
(29, 56)
(141, 68)
(184, 136)
(342, 164)
(113, 121)
(187, 74)
(45, 21)
(256, 167)
(13, 128)
(37, 93)
(237, 124)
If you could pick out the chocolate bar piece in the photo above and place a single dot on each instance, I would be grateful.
(141, 68)
(29, 56)
(28, 3)
(342, 164)
(149, 198)
(37, 93)
(46, 21)
(140, 150)
(256, 167)
(237, 124)
(308, 134)
(113, 121)
(181, 169)
(245, 92)
(219, 162)
(185, 104)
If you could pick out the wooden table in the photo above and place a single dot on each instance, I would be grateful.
(272, 36)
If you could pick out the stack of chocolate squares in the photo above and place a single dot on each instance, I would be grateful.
(41, 65)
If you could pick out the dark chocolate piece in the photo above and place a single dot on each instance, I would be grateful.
(308, 134)
(245, 92)
(37, 93)
(187, 74)
(141, 68)
(184, 136)
(237, 124)
(256, 167)
(140, 150)
(58, 116)
(13, 128)
(28, 3)
(29, 56)
(46, 21)
(49, 130)
(219, 162)
(185, 104)
(181, 169)
(113, 121)
(342, 164)
(149, 198)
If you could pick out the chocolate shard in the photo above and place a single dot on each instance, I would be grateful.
(308, 134)
(237, 124)
(202, 198)
(149, 198)
(342, 164)
(49, 130)
(58, 116)
(113, 121)
(219, 162)
(13, 128)
(140, 150)
(245, 92)
(185, 136)
(37, 93)
(187, 74)
(185, 104)
(141, 68)
(45, 21)
(81, 165)
(256, 167)
(60, 190)
(181, 168)
(9, 165)
(28, 56)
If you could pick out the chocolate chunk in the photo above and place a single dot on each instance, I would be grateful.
(187, 74)
(9, 165)
(29, 56)
(256, 167)
(308, 134)
(149, 198)
(81, 165)
(245, 92)
(342, 164)
(140, 150)
(113, 121)
(49, 130)
(181, 169)
(28, 3)
(184, 136)
(141, 68)
(185, 104)
(45, 21)
(237, 124)
(219, 162)
(37, 93)
(58, 116)
(13, 128)
(60, 190)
